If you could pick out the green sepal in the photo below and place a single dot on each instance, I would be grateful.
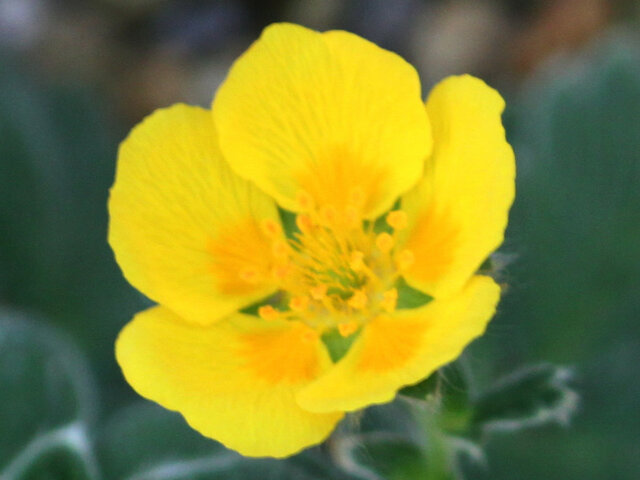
(423, 390)
(337, 345)
(288, 220)
(409, 297)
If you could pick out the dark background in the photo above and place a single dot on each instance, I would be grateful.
(75, 76)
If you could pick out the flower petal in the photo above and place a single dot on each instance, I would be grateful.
(185, 229)
(329, 114)
(403, 348)
(234, 381)
(459, 211)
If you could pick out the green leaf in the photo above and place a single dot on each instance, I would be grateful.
(395, 456)
(142, 437)
(573, 293)
(48, 401)
(574, 221)
(62, 453)
(147, 442)
(468, 459)
(57, 158)
(395, 417)
(530, 397)
(401, 440)
(380, 456)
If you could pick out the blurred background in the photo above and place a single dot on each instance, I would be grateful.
(75, 76)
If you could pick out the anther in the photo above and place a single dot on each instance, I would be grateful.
(346, 329)
(328, 214)
(281, 271)
(267, 312)
(270, 228)
(358, 300)
(299, 304)
(356, 197)
(318, 292)
(304, 223)
(405, 259)
(389, 300)
(384, 242)
(308, 335)
(352, 216)
(397, 219)
(280, 249)
(249, 275)
(305, 200)
(356, 262)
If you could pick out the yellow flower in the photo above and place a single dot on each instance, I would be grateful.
(332, 128)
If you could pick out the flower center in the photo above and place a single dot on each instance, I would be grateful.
(336, 271)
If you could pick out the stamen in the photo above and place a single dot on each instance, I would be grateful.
(335, 271)
(357, 197)
(348, 328)
(267, 312)
(305, 200)
(281, 271)
(309, 335)
(389, 300)
(304, 223)
(358, 301)
(318, 292)
(280, 249)
(328, 214)
(270, 228)
(250, 275)
(352, 216)
(397, 220)
(405, 259)
(384, 242)
(299, 304)
(356, 262)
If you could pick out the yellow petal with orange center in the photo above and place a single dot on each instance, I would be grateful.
(234, 381)
(186, 230)
(458, 213)
(402, 348)
(324, 119)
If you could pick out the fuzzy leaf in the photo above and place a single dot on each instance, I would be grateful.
(147, 442)
(380, 456)
(530, 397)
(48, 402)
